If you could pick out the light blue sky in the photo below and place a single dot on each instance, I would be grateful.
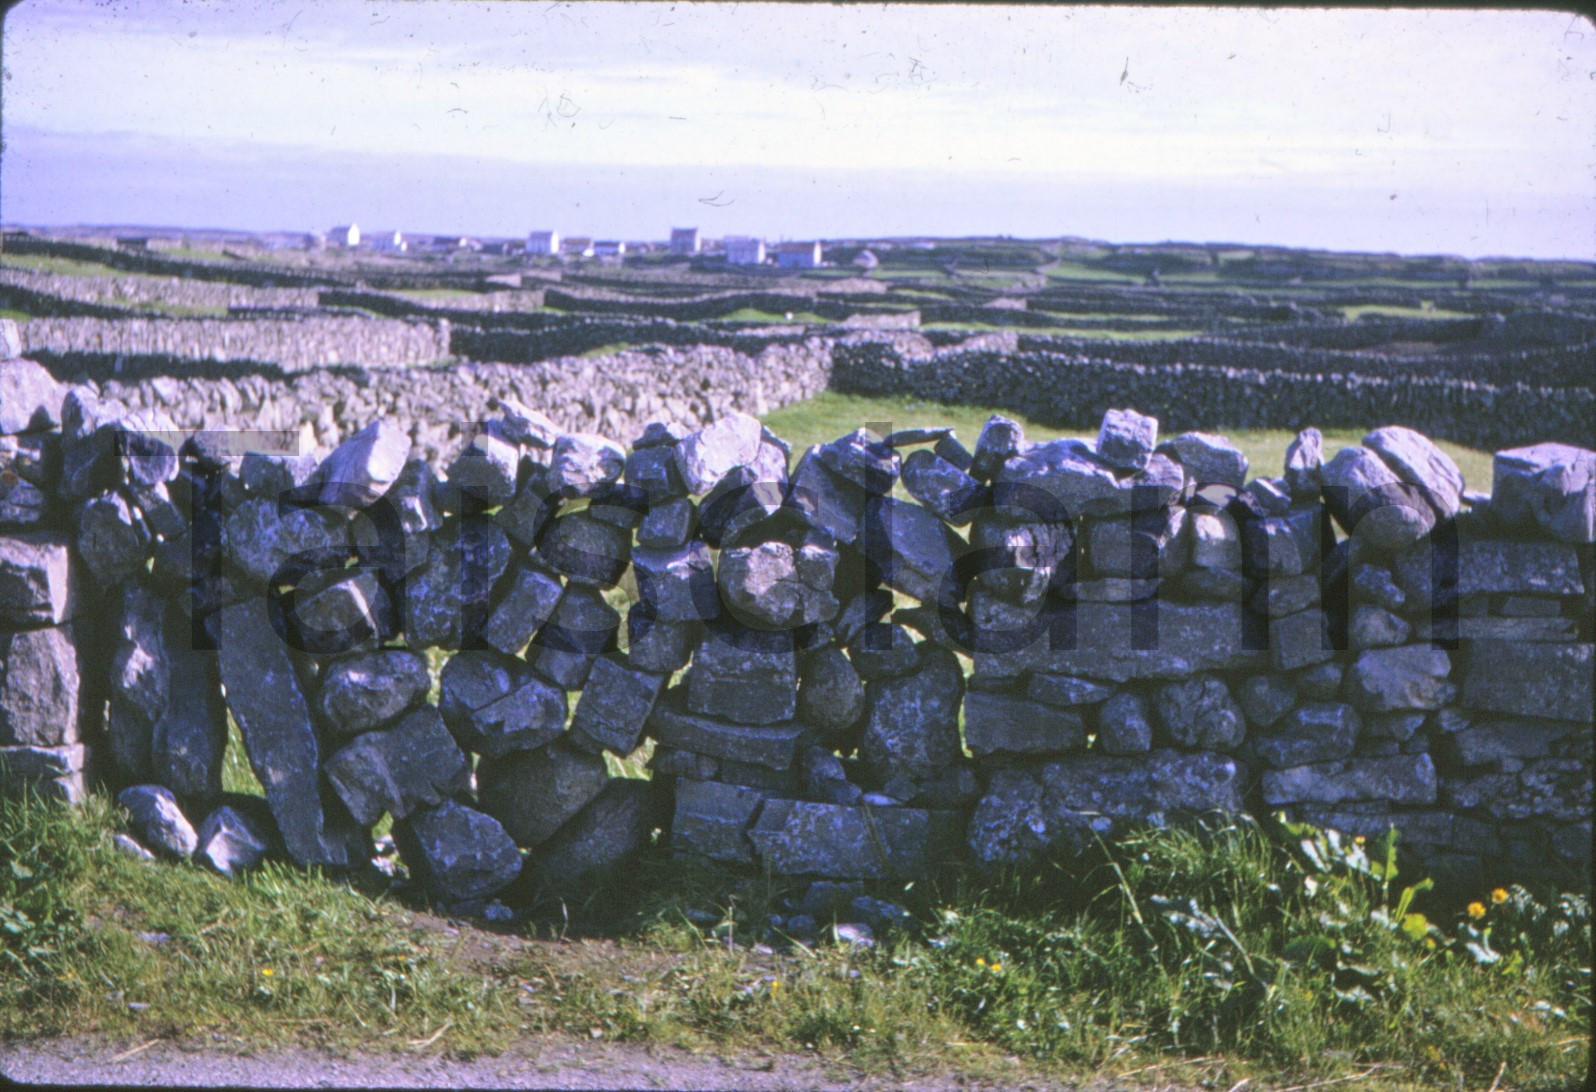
(1462, 132)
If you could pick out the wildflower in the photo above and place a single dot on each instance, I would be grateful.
(997, 966)
(267, 972)
(1499, 895)
(980, 961)
(775, 984)
(1357, 839)
(1476, 909)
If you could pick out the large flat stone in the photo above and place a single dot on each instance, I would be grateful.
(1383, 680)
(596, 845)
(1551, 487)
(370, 690)
(912, 721)
(910, 548)
(798, 838)
(534, 793)
(264, 695)
(772, 745)
(1400, 779)
(457, 852)
(712, 820)
(996, 723)
(361, 469)
(38, 579)
(614, 707)
(413, 764)
(744, 675)
(1531, 680)
(1415, 459)
(55, 773)
(30, 398)
(40, 675)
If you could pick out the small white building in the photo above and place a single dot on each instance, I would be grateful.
(577, 246)
(866, 259)
(685, 240)
(609, 248)
(742, 250)
(798, 256)
(346, 235)
(543, 244)
(392, 242)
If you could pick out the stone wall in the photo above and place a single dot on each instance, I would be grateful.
(168, 291)
(292, 344)
(1072, 389)
(1132, 631)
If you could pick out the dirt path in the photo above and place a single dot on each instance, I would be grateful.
(550, 1064)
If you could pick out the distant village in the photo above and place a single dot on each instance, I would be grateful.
(741, 250)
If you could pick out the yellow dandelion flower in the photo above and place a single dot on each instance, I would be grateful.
(997, 966)
(1358, 838)
(1499, 895)
(1476, 909)
(267, 972)
(980, 961)
(775, 984)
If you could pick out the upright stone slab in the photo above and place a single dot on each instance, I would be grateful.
(798, 838)
(912, 726)
(457, 852)
(40, 675)
(912, 549)
(744, 675)
(272, 714)
(416, 763)
(361, 469)
(1531, 680)
(712, 820)
(189, 739)
(1549, 486)
(603, 836)
(38, 579)
(534, 793)
(614, 707)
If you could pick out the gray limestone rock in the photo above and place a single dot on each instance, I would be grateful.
(274, 544)
(825, 779)
(1215, 540)
(712, 820)
(708, 455)
(1020, 562)
(1372, 504)
(447, 600)
(595, 845)
(1126, 438)
(1208, 459)
(1531, 680)
(337, 611)
(457, 852)
(534, 793)
(494, 705)
(1374, 584)
(1316, 732)
(954, 452)
(156, 818)
(1300, 640)
(269, 476)
(884, 651)
(1283, 595)
(909, 437)
(742, 500)
(912, 722)
(141, 681)
(1282, 545)
(583, 628)
(862, 460)
(775, 585)
(744, 675)
(614, 707)
(677, 585)
(832, 504)
(831, 695)
(653, 470)
(772, 745)
(1143, 545)
(232, 840)
(1383, 680)
(1000, 723)
(361, 469)
(668, 524)
(89, 428)
(1305, 464)
(585, 550)
(660, 647)
(1124, 725)
(30, 398)
(264, 695)
(1221, 585)
(33, 457)
(1549, 486)
(793, 837)
(1056, 481)
(1376, 627)
(1000, 439)
(392, 533)
(950, 493)
(40, 676)
(1417, 461)
(415, 763)
(486, 470)
(1265, 699)
(1400, 779)
(523, 425)
(111, 539)
(1322, 681)
(583, 462)
(370, 690)
(1198, 714)
(1065, 691)
(525, 606)
(535, 504)
(22, 504)
(1398, 727)
(912, 550)
(55, 773)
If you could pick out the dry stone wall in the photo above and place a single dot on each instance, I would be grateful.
(167, 291)
(292, 344)
(1135, 630)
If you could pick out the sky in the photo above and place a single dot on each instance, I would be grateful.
(1450, 131)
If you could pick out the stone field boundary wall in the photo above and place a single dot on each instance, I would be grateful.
(171, 291)
(292, 344)
(1132, 631)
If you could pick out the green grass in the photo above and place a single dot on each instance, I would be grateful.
(765, 318)
(436, 293)
(1427, 310)
(1216, 956)
(829, 415)
(1071, 331)
(44, 263)
(14, 315)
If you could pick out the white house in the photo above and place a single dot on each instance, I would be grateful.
(609, 248)
(390, 241)
(866, 259)
(577, 246)
(344, 235)
(798, 255)
(684, 240)
(742, 250)
(543, 244)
